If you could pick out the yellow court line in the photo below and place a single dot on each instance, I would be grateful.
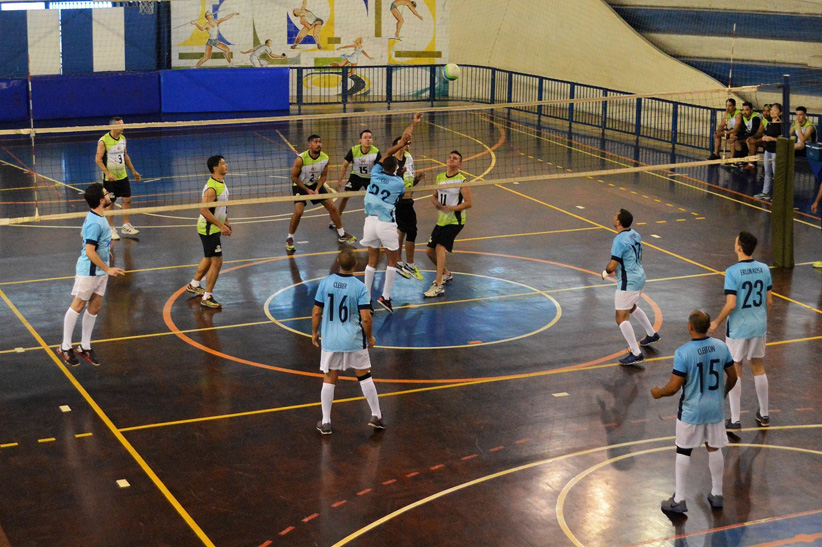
(110, 425)
(291, 146)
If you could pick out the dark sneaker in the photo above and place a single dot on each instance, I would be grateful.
(386, 304)
(670, 506)
(199, 291)
(325, 429)
(210, 303)
(717, 502)
(289, 245)
(403, 272)
(631, 359)
(332, 226)
(347, 238)
(714, 157)
(447, 278)
(88, 355)
(729, 425)
(376, 423)
(763, 421)
(68, 356)
(648, 340)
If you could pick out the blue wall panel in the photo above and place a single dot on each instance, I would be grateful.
(141, 40)
(224, 90)
(95, 95)
(14, 100)
(14, 44)
(78, 49)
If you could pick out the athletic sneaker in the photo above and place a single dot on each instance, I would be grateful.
(210, 303)
(88, 355)
(403, 272)
(413, 270)
(325, 429)
(447, 278)
(631, 359)
(332, 226)
(717, 502)
(386, 304)
(763, 195)
(714, 157)
(68, 356)
(817, 264)
(763, 421)
(347, 238)
(129, 230)
(648, 340)
(289, 245)
(670, 506)
(199, 291)
(376, 423)
(114, 235)
(730, 426)
(435, 290)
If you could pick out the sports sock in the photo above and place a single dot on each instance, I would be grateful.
(327, 398)
(683, 463)
(194, 283)
(761, 385)
(290, 236)
(410, 264)
(628, 332)
(340, 232)
(390, 275)
(370, 392)
(88, 325)
(735, 400)
(69, 323)
(206, 295)
(716, 463)
(644, 321)
(369, 278)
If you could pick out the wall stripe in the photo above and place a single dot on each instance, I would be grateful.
(14, 45)
(141, 39)
(78, 53)
(43, 29)
(108, 28)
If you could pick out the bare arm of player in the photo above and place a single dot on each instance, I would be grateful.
(731, 379)
(98, 158)
(673, 386)
(92, 255)
(365, 316)
(345, 166)
(730, 305)
(210, 197)
(137, 176)
(323, 176)
(610, 268)
(815, 204)
(316, 317)
(769, 299)
(466, 202)
(295, 175)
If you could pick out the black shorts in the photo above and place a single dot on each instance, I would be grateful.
(445, 236)
(211, 245)
(297, 191)
(356, 182)
(407, 219)
(118, 188)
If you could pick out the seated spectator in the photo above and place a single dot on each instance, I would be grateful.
(766, 112)
(754, 142)
(803, 130)
(751, 122)
(733, 117)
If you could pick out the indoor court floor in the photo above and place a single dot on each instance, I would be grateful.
(509, 420)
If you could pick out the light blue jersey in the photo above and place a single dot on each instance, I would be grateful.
(702, 362)
(383, 193)
(750, 281)
(97, 232)
(627, 250)
(342, 296)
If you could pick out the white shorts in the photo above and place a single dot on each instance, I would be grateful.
(626, 300)
(695, 435)
(377, 233)
(746, 348)
(344, 360)
(85, 285)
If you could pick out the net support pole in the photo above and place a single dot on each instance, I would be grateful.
(782, 205)
(786, 104)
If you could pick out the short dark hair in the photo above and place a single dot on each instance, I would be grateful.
(801, 109)
(347, 259)
(364, 131)
(115, 119)
(625, 218)
(731, 100)
(699, 321)
(398, 139)
(213, 162)
(749, 104)
(766, 105)
(747, 241)
(312, 136)
(93, 194)
(389, 164)
(455, 152)
(777, 105)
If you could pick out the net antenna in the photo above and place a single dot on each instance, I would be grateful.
(146, 7)
(730, 79)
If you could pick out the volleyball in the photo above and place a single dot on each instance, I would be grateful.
(451, 72)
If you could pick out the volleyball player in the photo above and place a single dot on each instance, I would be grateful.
(626, 265)
(112, 158)
(747, 299)
(361, 158)
(91, 277)
(406, 215)
(341, 326)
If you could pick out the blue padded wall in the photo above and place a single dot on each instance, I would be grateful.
(224, 90)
